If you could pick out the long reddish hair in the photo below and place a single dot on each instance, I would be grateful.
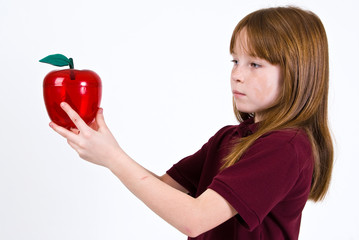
(295, 40)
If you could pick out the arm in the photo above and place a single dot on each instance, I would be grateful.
(170, 181)
(191, 216)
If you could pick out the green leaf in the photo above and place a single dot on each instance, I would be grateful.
(58, 60)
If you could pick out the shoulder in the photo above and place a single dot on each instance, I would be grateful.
(293, 137)
(223, 136)
(225, 131)
(227, 128)
(292, 143)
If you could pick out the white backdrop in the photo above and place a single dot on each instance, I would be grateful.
(165, 68)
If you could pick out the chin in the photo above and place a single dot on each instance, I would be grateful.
(244, 109)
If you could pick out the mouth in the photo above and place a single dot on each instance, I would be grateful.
(238, 94)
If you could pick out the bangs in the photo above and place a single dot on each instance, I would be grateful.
(262, 39)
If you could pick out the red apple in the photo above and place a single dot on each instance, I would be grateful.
(82, 89)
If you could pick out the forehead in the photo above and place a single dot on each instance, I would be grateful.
(241, 43)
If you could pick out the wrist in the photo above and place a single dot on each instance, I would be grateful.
(117, 160)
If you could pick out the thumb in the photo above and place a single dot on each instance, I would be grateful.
(100, 119)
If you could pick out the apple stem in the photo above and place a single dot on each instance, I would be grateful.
(71, 63)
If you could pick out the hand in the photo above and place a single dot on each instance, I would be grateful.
(95, 144)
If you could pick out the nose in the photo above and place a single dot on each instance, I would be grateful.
(237, 74)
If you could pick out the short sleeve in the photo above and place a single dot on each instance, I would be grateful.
(187, 172)
(261, 178)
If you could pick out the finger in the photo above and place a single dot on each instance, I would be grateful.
(73, 115)
(76, 147)
(70, 136)
(100, 120)
(73, 145)
(94, 125)
(75, 130)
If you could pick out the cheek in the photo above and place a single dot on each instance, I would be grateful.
(266, 92)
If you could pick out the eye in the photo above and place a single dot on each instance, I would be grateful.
(255, 65)
(235, 62)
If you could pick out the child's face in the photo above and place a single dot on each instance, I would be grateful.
(255, 82)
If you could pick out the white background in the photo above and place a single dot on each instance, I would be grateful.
(165, 68)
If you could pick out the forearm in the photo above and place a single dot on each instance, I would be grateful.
(190, 216)
(172, 205)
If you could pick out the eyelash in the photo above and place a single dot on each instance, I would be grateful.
(252, 64)
(255, 65)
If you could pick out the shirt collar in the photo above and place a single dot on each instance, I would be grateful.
(247, 127)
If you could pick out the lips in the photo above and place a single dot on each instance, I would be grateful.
(238, 94)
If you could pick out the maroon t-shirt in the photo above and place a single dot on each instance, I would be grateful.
(268, 186)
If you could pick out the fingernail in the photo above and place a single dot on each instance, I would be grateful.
(62, 104)
(51, 125)
(100, 110)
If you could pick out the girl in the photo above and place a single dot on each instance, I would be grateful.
(249, 181)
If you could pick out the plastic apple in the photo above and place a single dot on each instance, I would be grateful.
(82, 89)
